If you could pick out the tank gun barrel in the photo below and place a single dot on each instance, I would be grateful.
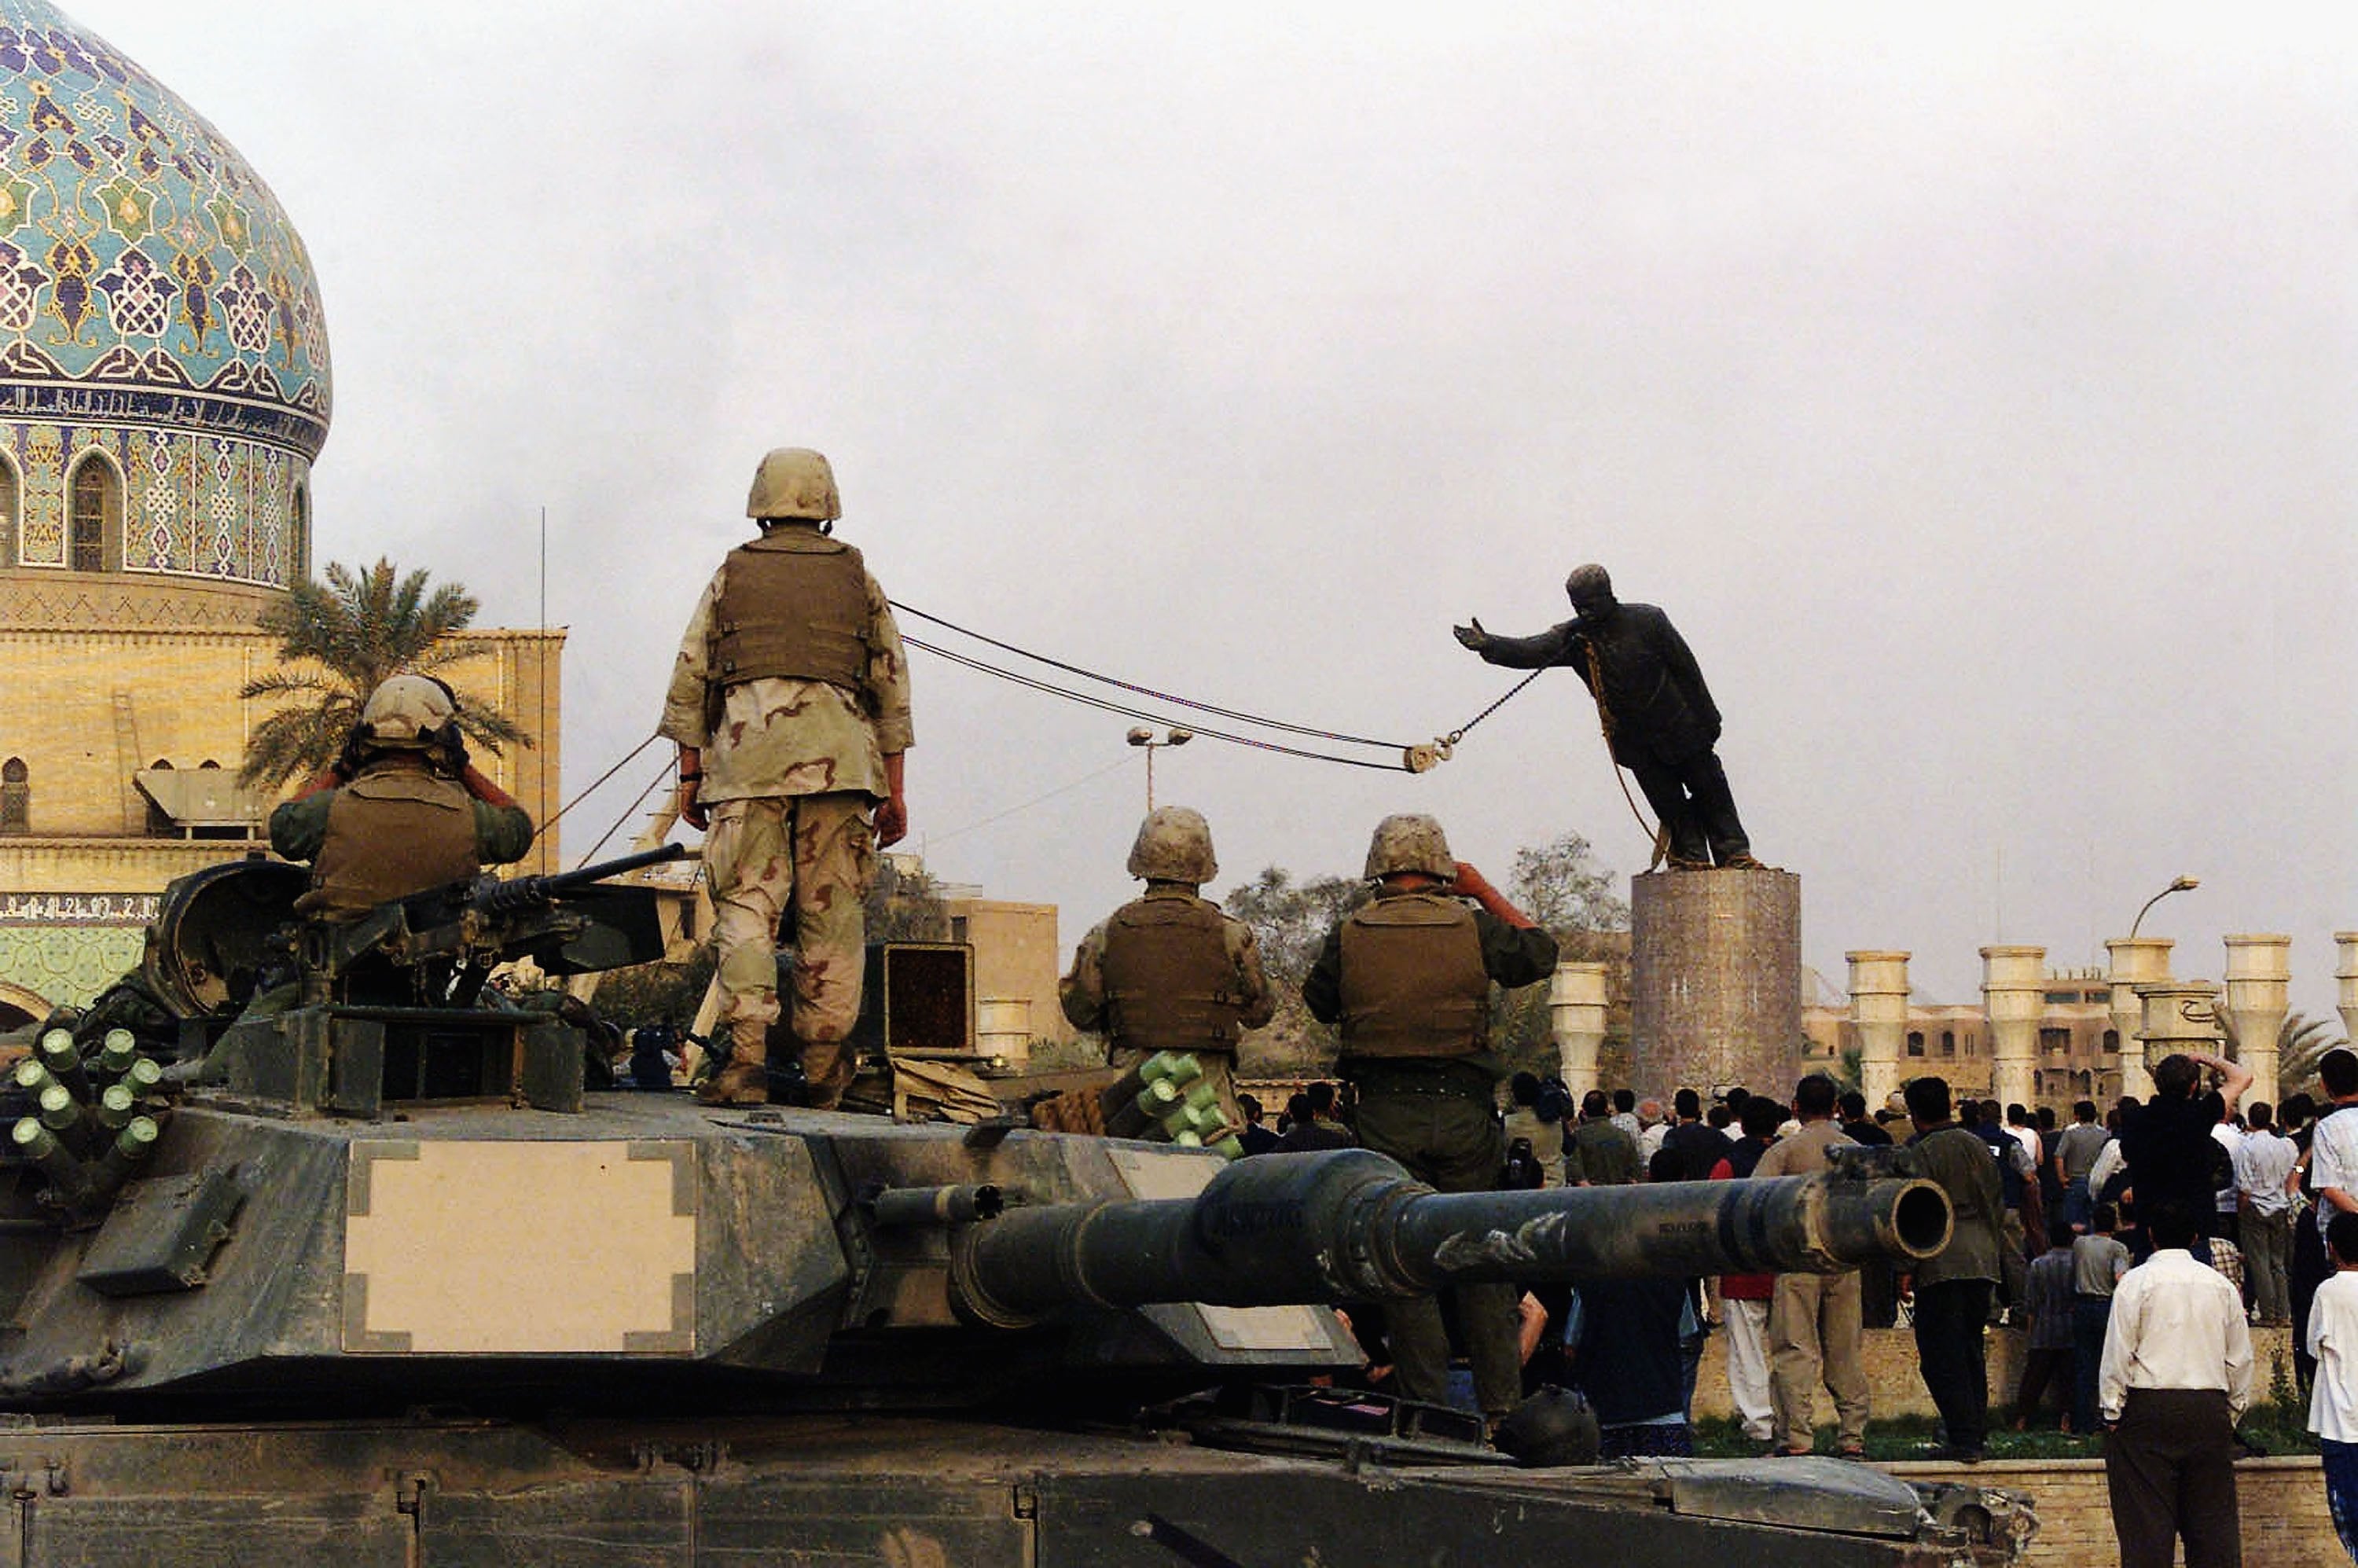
(1351, 1224)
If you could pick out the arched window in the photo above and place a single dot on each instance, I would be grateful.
(12, 517)
(16, 796)
(1947, 1043)
(2113, 1041)
(1915, 1043)
(94, 515)
(298, 543)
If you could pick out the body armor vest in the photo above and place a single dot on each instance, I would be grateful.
(1413, 983)
(391, 832)
(792, 603)
(1170, 983)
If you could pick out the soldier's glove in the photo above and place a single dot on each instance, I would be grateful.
(1471, 634)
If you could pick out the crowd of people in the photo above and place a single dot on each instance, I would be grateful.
(2133, 1247)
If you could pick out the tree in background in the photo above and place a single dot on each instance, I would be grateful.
(1557, 883)
(1560, 885)
(338, 642)
(904, 905)
(2301, 1042)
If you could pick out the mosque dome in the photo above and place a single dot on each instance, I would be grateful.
(163, 382)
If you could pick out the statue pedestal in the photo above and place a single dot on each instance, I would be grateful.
(1715, 976)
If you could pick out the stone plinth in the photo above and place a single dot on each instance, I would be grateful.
(2180, 1015)
(2259, 994)
(1577, 1001)
(2136, 961)
(2345, 978)
(1716, 975)
(2014, 998)
(1878, 1011)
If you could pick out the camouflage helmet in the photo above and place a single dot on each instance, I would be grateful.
(793, 481)
(1586, 582)
(1174, 845)
(1411, 841)
(408, 713)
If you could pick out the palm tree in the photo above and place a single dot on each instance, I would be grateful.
(2301, 1043)
(338, 641)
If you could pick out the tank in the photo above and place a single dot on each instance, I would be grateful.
(380, 1283)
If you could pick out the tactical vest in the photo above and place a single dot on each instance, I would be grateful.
(792, 603)
(391, 832)
(1414, 984)
(1170, 983)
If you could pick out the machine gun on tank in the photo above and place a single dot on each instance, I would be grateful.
(438, 948)
(386, 1008)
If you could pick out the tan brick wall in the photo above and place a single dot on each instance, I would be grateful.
(2282, 1504)
(85, 705)
(1016, 954)
(1894, 1377)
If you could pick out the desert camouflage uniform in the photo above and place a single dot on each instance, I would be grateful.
(790, 776)
(1083, 993)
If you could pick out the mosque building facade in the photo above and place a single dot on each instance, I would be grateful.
(164, 391)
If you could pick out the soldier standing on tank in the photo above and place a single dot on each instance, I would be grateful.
(401, 811)
(790, 706)
(1407, 979)
(1658, 716)
(1169, 971)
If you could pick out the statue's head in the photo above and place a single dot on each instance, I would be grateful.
(1590, 591)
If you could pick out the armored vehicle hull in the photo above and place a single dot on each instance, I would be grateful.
(907, 1492)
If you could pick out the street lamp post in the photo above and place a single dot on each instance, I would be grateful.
(1143, 736)
(2178, 884)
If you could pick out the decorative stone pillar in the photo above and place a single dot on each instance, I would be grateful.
(1577, 1000)
(2259, 993)
(2345, 975)
(2180, 1015)
(2014, 998)
(2136, 961)
(1878, 1012)
(1715, 980)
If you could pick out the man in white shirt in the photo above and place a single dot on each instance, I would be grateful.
(2224, 1133)
(1653, 1127)
(2177, 1375)
(2333, 1398)
(2264, 1163)
(2333, 1150)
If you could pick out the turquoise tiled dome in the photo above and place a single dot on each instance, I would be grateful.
(156, 305)
(137, 249)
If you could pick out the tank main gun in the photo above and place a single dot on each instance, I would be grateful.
(1352, 1225)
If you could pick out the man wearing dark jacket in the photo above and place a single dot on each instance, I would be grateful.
(1658, 716)
(1952, 1286)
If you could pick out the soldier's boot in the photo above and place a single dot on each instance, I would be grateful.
(746, 1079)
(1741, 863)
(827, 1073)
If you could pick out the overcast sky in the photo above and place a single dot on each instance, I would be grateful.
(1976, 393)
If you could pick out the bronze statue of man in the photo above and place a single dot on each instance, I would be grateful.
(1658, 716)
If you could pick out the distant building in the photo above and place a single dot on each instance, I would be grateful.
(2078, 1048)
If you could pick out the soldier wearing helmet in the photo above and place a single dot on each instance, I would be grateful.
(1169, 971)
(1406, 979)
(1658, 716)
(402, 810)
(790, 707)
